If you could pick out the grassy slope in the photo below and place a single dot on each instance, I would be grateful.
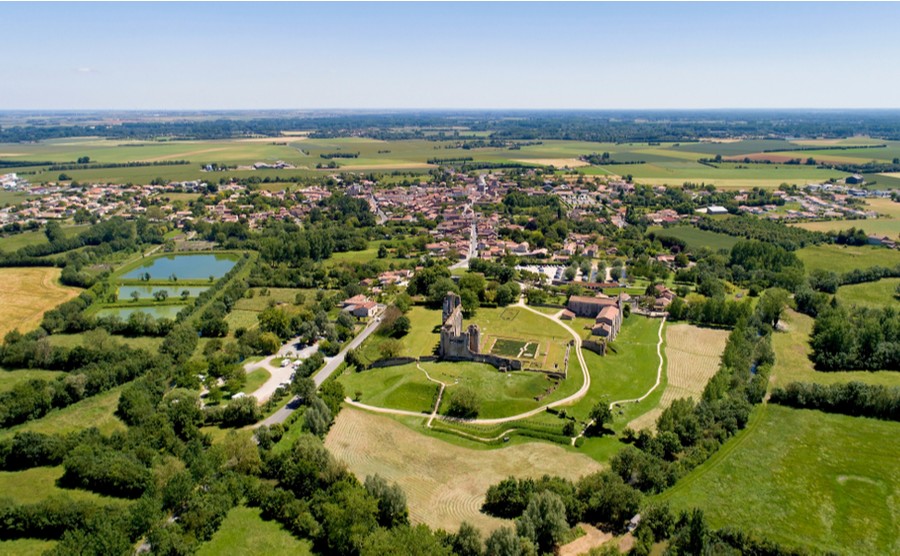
(9, 379)
(795, 476)
(697, 238)
(244, 532)
(97, 411)
(872, 294)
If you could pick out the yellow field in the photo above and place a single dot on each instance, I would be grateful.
(693, 356)
(27, 294)
(444, 484)
(557, 162)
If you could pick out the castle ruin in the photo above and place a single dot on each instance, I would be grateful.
(459, 345)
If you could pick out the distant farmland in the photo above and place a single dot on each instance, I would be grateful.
(696, 238)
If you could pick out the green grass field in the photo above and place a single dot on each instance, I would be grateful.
(39, 483)
(696, 238)
(74, 340)
(97, 411)
(244, 532)
(514, 323)
(422, 340)
(9, 379)
(792, 363)
(843, 258)
(14, 242)
(26, 547)
(872, 294)
(401, 387)
(796, 477)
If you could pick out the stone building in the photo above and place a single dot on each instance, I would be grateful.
(456, 343)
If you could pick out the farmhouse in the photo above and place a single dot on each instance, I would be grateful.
(606, 312)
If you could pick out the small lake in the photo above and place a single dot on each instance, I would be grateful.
(146, 292)
(159, 312)
(185, 267)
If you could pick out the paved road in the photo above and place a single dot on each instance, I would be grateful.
(473, 245)
(330, 367)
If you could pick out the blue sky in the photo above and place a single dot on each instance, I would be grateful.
(462, 55)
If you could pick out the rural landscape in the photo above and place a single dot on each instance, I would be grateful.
(445, 332)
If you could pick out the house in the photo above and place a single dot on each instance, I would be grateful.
(566, 315)
(364, 310)
(855, 179)
(353, 301)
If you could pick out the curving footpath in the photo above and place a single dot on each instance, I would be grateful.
(565, 401)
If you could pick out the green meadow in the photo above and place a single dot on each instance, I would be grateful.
(244, 532)
(795, 477)
(696, 238)
(844, 258)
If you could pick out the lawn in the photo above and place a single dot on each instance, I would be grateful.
(26, 547)
(871, 294)
(39, 483)
(796, 477)
(27, 294)
(401, 387)
(9, 379)
(255, 379)
(97, 411)
(422, 339)
(244, 532)
(792, 362)
(515, 323)
(148, 343)
(696, 238)
(260, 302)
(14, 242)
(843, 258)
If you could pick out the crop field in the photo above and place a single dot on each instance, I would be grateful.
(663, 164)
(244, 532)
(696, 238)
(792, 363)
(871, 294)
(692, 355)
(844, 258)
(97, 411)
(796, 477)
(27, 294)
(444, 483)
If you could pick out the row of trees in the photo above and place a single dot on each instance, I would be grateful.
(857, 338)
(852, 398)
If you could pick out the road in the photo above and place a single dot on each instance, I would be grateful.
(473, 243)
(330, 367)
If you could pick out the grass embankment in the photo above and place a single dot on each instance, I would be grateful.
(798, 478)
(244, 532)
(27, 294)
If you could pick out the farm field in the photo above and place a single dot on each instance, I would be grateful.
(97, 411)
(444, 483)
(697, 238)
(871, 294)
(796, 477)
(693, 355)
(27, 294)
(664, 164)
(244, 532)
(792, 363)
(844, 258)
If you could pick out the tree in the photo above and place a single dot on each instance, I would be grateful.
(317, 418)
(382, 251)
(84, 160)
(390, 348)
(544, 521)
(241, 453)
(392, 511)
(185, 294)
(601, 414)
(401, 327)
(161, 295)
(467, 541)
(54, 232)
(135, 295)
(504, 542)
(464, 403)
(771, 305)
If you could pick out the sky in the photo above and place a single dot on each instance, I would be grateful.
(449, 55)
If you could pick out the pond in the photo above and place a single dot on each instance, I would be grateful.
(185, 267)
(157, 312)
(146, 292)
